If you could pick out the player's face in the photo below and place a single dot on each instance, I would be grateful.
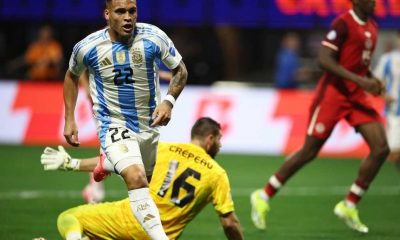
(366, 6)
(215, 146)
(121, 16)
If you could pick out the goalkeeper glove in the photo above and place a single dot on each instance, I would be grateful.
(53, 159)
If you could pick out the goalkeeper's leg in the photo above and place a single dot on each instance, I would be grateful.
(69, 226)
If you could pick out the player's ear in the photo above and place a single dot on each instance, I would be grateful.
(107, 14)
(209, 139)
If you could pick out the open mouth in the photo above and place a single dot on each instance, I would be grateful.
(127, 27)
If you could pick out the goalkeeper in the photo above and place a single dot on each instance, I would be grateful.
(186, 178)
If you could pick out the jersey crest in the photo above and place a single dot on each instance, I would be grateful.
(120, 56)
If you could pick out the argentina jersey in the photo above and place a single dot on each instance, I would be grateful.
(124, 83)
(388, 69)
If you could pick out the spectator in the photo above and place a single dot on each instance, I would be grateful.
(288, 72)
(44, 56)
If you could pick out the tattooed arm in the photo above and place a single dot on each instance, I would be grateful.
(162, 114)
(178, 81)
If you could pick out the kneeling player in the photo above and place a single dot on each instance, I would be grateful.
(186, 178)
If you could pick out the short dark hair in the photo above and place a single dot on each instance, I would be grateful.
(205, 126)
(107, 3)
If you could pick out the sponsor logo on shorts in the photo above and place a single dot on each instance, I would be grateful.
(148, 218)
(123, 148)
(142, 207)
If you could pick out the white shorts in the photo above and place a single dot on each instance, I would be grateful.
(393, 132)
(123, 147)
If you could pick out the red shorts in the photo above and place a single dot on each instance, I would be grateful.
(327, 111)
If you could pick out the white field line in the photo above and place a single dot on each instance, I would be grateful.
(239, 192)
(324, 191)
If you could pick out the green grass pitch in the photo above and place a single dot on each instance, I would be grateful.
(30, 199)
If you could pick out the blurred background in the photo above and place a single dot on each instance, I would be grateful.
(226, 40)
(242, 57)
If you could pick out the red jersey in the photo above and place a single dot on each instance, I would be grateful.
(337, 98)
(354, 40)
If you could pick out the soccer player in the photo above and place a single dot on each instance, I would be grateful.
(186, 178)
(388, 69)
(94, 191)
(345, 56)
(122, 63)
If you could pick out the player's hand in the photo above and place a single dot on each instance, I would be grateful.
(71, 133)
(372, 85)
(381, 86)
(53, 159)
(162, 114)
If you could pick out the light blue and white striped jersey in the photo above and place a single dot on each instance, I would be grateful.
(388, 69)
(124, 83)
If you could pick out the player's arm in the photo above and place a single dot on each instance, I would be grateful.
(84, 81)
(178, 80)
(223, 204)
(162, 114)
(328, 58)
(328, 61)
(372, 75)
(70, 96)
(58, 159)
(88, 164)
(231, 225)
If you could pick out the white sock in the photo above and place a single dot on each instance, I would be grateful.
(146, 212)
(264, 195)
(74, 235)
(349, 204)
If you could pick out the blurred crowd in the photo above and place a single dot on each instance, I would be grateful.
(283, 58)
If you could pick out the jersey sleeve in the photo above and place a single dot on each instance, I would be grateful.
(221, 196)
(336, 35)
(76, 63)
(169, 54)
